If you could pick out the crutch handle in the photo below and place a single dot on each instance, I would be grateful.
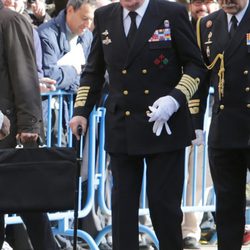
(79, 130)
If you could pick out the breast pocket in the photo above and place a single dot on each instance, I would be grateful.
(160, 55)
(160, 45)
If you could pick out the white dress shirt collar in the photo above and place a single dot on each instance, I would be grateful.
(140, 11)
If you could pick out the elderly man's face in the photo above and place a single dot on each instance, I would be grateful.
(131, 5)
(232, 6)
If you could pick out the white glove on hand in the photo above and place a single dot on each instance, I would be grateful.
(199, 140)
(161, 110)
(158, 126)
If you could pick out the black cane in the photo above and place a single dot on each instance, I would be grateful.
(79, 160)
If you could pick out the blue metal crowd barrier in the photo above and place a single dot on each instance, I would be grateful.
(97, 164)
(63, 218)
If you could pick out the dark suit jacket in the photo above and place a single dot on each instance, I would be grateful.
(230, 125)
(140, 75)
(20, 95)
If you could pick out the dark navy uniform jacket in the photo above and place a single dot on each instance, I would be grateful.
(230, 124)
(164, 49)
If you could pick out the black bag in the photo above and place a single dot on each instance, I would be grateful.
(37, 179)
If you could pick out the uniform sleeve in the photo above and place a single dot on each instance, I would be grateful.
(190, 57)
(92, 79)
(20, 53)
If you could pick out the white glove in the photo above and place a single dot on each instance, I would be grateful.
(158, 126)
(161, 110)
(199, 140)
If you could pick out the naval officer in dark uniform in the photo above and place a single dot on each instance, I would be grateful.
(149, 49)
(224, 37)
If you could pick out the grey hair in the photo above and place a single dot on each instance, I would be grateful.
(76, 4)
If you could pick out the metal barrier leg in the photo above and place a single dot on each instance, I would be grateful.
(142, 229)
(83, 235)
(102, 233)
(145, 229)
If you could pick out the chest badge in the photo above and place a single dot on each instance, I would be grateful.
(106, 40)
(210, 34)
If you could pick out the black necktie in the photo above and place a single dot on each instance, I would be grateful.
(233, 27)
(132, 29)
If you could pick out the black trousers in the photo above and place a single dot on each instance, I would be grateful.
(165, 176)
(228, 170)
(38, 228)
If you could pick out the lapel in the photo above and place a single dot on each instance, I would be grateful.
(148, 24)
(116, 28)
(240, 34)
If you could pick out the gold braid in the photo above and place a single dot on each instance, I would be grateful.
(221, 72)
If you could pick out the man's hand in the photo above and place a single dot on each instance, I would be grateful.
(158, 126)
(199, 140)
(75, 123)
(39, 9)
(161, 110)
(47, 84)
(5, 129)
(25, 137)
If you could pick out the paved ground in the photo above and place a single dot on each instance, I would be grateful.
(203, 247)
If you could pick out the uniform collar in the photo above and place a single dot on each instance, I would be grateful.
(140, 11)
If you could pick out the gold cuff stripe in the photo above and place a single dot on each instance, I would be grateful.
(184, 91)
(81, 99)
(194, 101)
(188, 85)
(80, 95)
(194, 110)
(195, 83)
(84, 87)
(193, 105)
(79, 104)
(83, 91)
